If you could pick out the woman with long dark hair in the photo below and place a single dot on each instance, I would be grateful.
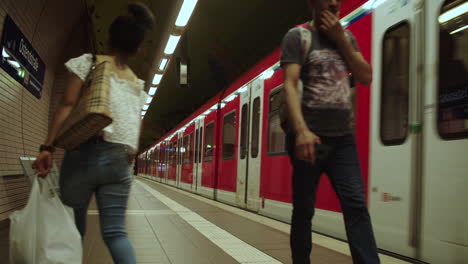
(101, 166)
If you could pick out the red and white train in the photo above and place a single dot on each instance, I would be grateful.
(411, 130)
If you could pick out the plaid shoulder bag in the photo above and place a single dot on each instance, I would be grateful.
(92, 113)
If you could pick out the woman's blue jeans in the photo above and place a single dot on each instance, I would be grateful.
(100, 168)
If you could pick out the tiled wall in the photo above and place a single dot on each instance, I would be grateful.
(56, 29)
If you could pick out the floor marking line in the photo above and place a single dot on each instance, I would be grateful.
(233, 246)
(139, 212)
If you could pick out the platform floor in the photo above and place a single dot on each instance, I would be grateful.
(167, 225)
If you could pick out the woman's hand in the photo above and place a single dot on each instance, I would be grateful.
(43, 164)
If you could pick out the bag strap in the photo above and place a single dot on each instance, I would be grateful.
(89, 77)
(306, 40)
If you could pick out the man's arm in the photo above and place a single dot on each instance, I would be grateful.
(305, 139)
(358, 66)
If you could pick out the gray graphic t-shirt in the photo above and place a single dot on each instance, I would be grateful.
(326, 102)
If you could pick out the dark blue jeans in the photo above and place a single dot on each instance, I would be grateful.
(343, 169)
(101, 168)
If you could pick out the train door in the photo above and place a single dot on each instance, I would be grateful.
(396, 138)
(249, 158)
(156, 162)
(186, 179)
(172, 168)
(197, 168)
(445, 202)
(242, 156)
(179, 151)
(167, 156)
(153, 163)
(208, 159)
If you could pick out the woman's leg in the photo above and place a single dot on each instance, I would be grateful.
(112, 203)
(75, 188)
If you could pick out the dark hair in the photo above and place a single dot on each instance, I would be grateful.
(126, 33)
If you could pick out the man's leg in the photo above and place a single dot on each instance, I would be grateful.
(305, 181)
(344, 172)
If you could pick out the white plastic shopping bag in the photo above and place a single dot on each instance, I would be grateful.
(44, 231)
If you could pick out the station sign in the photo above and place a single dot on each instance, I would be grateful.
(20, 60)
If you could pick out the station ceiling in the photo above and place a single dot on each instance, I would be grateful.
(223, 39)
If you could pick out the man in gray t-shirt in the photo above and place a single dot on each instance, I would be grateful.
(320, 135)
(326, 104)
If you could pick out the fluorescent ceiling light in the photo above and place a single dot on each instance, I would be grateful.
(151, 92)
(143, 113)
(157, 79)
(5, 54)
(163, 64)
(171, 44)
(14, 63)
(148, 101)
(185, 12)
(454, 12)
(145, 107)
(458, 30)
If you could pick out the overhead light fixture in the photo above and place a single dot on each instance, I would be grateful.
(14, 63)
(185, 12)
(454, 12)
(145, 107)
(171, 44)
(149, 99)
(143, 113)
(458, 30)
(152, 91)
(163, 64)
(157, 79)
(5, 54)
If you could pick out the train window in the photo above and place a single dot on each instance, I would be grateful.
(185, 150)
(196, 145)
(452, 116)
(190, 148)
(244, 130)
(161, 156)
(169, 154)
(276, 135)
(209, 140)
(200, 134)
(176, 153)
(229, 136)
(255, 127)
(156, 162)
(395, 85)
